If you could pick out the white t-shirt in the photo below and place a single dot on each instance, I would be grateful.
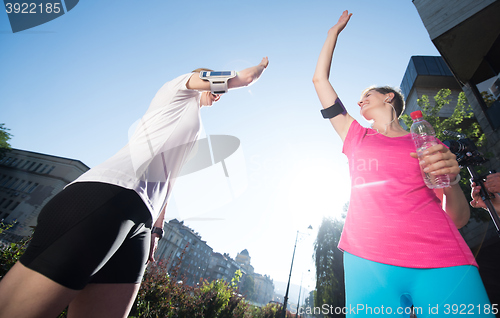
(156, 151)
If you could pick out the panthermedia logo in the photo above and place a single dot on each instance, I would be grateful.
(28, 14)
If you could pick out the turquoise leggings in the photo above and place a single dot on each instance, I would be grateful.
(374, 289)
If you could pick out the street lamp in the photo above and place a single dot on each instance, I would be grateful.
(300, 290)
(285, 301)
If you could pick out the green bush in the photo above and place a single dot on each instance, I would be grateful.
(162, 295)
(11, 252)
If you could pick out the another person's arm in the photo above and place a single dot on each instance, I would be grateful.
(439, 160)
(492, 185)
(243, 78)
(324, 89)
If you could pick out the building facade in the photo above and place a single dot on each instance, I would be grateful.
(263, 288)
(263, 284)
(28, 180)
(182, 248)
(222, 266)
(243, 259)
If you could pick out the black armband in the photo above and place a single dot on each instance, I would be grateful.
(334, 110)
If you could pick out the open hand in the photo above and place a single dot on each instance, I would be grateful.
(344, 18)
(264, 62)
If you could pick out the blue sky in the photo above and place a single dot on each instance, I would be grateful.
(73, 87)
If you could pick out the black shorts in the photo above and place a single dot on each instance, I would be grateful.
(91, 232)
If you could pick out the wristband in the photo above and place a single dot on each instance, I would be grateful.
(336, 109)
(157, 230)
(218, 80)
(457, 179)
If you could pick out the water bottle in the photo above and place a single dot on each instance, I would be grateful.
(424, 137)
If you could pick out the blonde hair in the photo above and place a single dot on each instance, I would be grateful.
(201, 69)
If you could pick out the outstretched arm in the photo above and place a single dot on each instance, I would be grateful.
(243, 78)
(324, 89)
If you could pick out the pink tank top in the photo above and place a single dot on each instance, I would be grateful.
(393, 218)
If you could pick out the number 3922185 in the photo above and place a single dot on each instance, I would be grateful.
(33, 8)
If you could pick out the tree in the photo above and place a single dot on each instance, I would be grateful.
(248, 287)
(462, 120)
(329, 264)
(4, 140)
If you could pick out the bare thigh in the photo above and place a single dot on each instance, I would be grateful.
(104, 300)
(28, 294)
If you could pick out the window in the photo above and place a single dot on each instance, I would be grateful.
(18, 163)
(13, 162)
(10, 184)
(43, 169)
(5, 181)
(38, 167)
(33, 187)
(19, 184)
(27, 185)
(25, 164)
(50, 170)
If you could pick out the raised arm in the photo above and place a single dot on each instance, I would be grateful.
(324, 89)
(243, 78)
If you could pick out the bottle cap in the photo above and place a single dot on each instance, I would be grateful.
(416, 114)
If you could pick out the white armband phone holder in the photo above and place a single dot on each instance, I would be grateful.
(218, 80)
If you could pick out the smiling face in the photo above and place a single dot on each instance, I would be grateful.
(373, 101)
(207, 98)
